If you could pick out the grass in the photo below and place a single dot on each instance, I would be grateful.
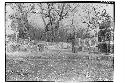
(59, 67)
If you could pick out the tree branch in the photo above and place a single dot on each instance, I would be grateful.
(57, 12)
(65, 14)
(42, 15)
(74, 8)
(71, 11)
(61, 11)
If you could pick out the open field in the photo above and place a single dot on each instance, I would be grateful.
(59, 66)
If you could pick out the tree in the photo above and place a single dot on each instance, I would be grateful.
(105, 33)
(73, 37)
(56, 12)
(82, 20)
(19, 18)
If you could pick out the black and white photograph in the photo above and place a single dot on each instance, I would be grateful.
(59, 41)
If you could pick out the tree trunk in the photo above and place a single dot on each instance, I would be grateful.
(73, 46)
(53, 34)
(73, 43)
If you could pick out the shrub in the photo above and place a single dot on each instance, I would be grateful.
(12, 47)
(23, 49)
(41, 47)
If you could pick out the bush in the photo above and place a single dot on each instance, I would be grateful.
(64, 45)
(41, 47)
(23, 49)
(80, 48)
(106, 48)
(13, 47)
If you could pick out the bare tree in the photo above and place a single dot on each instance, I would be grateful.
(56, 12)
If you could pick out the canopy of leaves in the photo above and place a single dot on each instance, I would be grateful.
(83, 18)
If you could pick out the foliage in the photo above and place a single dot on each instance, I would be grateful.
(59, 21)
(105, 35)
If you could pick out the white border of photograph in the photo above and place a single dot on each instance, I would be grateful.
(119, 40)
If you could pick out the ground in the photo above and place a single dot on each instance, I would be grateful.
(58, 65)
